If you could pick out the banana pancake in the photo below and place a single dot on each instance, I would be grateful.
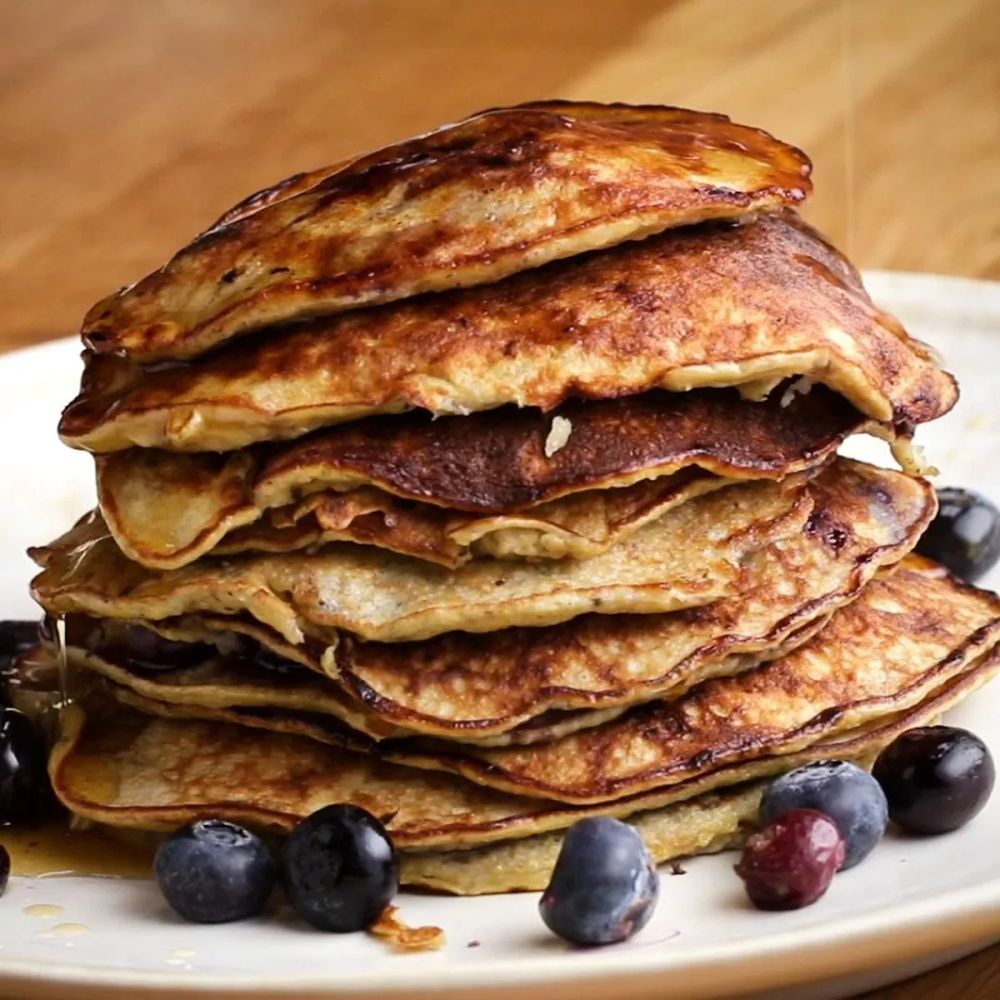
(689, 556)
(352, 483)
(522, 685)
(716, 305)
(467, 204)
(906, 634)
(271, 694)
(903, 637)
(119, 767)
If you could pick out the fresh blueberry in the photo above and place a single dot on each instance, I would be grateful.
(25, 792)
(339, 868)
(791, 861)
(846, 793)
(16, 637)
(965, 535)
(604, 887)
(4, 868)
(213, 872)
(936, 778)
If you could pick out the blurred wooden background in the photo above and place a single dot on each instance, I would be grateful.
(127, 125)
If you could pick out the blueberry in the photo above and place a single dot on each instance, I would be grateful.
(791, 861)
(936, 778)
(339, 869)
(850, 796)
(4, 868)
(25, 792)
(16, 637)
(212, 872)
(965, 535)
(604, 887)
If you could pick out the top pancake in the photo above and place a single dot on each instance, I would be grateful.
(715, 305)
(468, 204)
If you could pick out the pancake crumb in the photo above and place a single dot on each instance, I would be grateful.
(403, 937)
(559, 434)
(800, 387)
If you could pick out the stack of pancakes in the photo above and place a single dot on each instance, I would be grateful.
(490, 481)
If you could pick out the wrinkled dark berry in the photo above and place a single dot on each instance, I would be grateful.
(850, 796)
(213, 872)
(25, 793)
(936, 778)
(791, 861)
(4, 868)
(339, 869)
(604, 887)
(965, 535)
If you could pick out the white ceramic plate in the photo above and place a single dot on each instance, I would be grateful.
(912, 905)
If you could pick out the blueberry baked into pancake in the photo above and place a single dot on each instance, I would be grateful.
(470, 514)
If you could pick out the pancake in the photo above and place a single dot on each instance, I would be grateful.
(706, 824)
(578, 527)
(688, 557)
(905, 635)
(747, 306)
(167, 509)
(862, 519)
(523, 685)
(273, 695)
(468, 204)
(901, 639)
(123, 768)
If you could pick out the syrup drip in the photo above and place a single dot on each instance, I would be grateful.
(61, 661)
(54, 851)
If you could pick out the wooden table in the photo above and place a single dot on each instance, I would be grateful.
(127, 125)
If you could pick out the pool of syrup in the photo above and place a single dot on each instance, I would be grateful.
(54, 850)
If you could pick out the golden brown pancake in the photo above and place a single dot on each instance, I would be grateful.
(746, 306)
(689, 556)
(357, 482)
(905, 635)
(523, 685)
(830, 686)
(902, 638)
(124, 768)
(468, 204)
